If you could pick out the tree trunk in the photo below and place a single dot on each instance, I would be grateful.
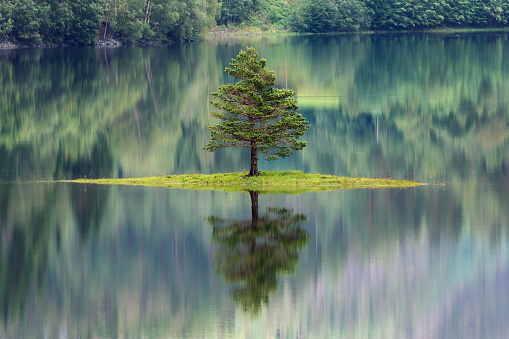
(148, 11)
(254, 161)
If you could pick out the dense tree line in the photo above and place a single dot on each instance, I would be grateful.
(348, 15)
(354, 15)
(255, 12)
(85, 21)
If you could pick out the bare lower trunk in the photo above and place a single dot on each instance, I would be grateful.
(148, 11)
(254, 162)
(105, 30)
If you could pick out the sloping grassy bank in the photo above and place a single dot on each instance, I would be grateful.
(287, 182)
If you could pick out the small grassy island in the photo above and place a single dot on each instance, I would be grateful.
(268, 182)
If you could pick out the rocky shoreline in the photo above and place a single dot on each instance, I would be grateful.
(8, 45)
(109, 42)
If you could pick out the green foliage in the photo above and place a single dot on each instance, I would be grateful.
(163, 19)
(135, 20)
(462, 12)
(83, 22)
(407, 14)
(496, 12)
(329, 16)
(257, 13)
(430, 13)
(235, 11)
(193, 19)
(56, 22)
(314, 16)
(79, 22)
(86, 20)
(25, 21)
(353, 15)
(273, 12)
(5, 19)
(256, 115)
(127, 23)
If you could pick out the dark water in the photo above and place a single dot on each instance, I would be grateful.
(99, 261)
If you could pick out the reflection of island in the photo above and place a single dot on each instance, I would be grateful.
(253, 252)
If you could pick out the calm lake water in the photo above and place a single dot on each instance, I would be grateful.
(129, 262)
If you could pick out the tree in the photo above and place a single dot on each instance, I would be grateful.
(5, 19)
(314, 16)
(353, 15)
(86, 21)
(255, 114)
(235, 11)
(26, 21)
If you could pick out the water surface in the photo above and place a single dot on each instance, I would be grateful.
(101, 261)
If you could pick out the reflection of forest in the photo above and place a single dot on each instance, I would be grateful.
(405, 105)
(118, 109)
(254, 252)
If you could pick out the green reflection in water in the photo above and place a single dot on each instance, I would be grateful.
(34, 230)
(136, 261)
(253, 252)
(143, 263)
(406, 106)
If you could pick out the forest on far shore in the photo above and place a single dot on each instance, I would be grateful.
(83, 22)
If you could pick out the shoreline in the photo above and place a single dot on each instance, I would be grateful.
(217, 33)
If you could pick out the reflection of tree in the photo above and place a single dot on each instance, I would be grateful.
(253, 252)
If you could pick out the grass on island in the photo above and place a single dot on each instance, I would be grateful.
(269, 182)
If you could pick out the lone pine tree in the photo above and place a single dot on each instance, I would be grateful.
(254, 114)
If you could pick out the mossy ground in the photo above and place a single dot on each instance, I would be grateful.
(272, 182)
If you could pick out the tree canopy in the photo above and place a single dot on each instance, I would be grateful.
(78, 22)
(254, 114)
(82, 22)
